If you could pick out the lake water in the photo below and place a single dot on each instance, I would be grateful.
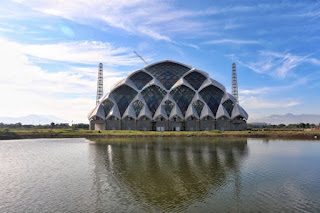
(159, 174)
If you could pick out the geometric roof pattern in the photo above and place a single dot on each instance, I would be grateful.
(170, 88)
(140, 79)
(167, 73)
(196, 79)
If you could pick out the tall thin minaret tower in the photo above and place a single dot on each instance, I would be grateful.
(234, 82)
(100, 83)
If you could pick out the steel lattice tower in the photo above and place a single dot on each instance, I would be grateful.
(100, 83)
(235, 82)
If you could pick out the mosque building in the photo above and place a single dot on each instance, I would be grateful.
(167, 96)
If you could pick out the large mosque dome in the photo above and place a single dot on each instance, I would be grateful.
(168, 95)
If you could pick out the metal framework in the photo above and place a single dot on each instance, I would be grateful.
(99, 83)
(235, 82)
(140, 57)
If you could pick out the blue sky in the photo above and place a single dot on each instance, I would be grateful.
(50, 50)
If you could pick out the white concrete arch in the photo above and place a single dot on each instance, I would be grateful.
(129, 112)
(114, 112)
(206, 111)
(125, 81)
(97, 111)
(181, 82)
(168, 97)
(172, 61)
(160, 112)
(176, 112)
(156, 82)
(215, 83)
(139, 98)
(222, 112)
(196, 70)
(197, 97)
(145, 112)
(239, 111)
(191, 111)
(108, 96)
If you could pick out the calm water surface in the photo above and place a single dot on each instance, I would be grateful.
(155, 174)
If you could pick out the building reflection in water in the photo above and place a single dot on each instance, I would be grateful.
(166, 173)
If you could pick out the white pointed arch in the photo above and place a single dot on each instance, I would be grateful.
(168, 97)
(239, 111)
(228, 96)
(243, 112)
(206, 111)
(191, 111)
(196, 70)
(222, 112)
(139, 98)
(181, 82)
(160, 112)
(125, 81)
(197, 97)
(138, 71)
(108, 96)
(154, 81)
(97, 111)
(171, 61)
(114, 112)
(145, 112)
(129, 112)
(176, 112)
(213, 82)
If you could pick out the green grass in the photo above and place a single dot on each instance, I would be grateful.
(81, 133)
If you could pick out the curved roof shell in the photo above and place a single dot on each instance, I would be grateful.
(168, 88)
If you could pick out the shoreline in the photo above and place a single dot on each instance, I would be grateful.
(12, 134)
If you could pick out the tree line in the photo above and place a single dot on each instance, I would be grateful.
(45, 126)
(284, 126)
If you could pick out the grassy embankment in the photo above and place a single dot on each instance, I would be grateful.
(69, 133)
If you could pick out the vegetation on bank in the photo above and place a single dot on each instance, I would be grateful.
(44, 126)
(82, 133)
(298, 126)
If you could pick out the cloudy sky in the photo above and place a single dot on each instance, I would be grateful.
(50, 50)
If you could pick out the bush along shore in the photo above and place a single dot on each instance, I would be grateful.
(6, 134)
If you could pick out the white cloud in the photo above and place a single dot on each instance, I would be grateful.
(232, 41)
(253, 102)
(6, 30)
(254, 91)
(155, 19)
(128, 15)
(26, 88)
(278, 64)
(85, 52)
(153, 34)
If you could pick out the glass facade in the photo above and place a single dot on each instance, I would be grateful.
(195, 79)
(212, 95)
(167, 73)
(137, 106)
(123, 95)
(198, 105)
(228, 105)
(153, 96)
(183, 96)
(150, 95)
(107, 106)
(140, 79)
(168, 106)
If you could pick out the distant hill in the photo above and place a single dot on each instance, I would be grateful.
(289, 119)
(32, 119)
